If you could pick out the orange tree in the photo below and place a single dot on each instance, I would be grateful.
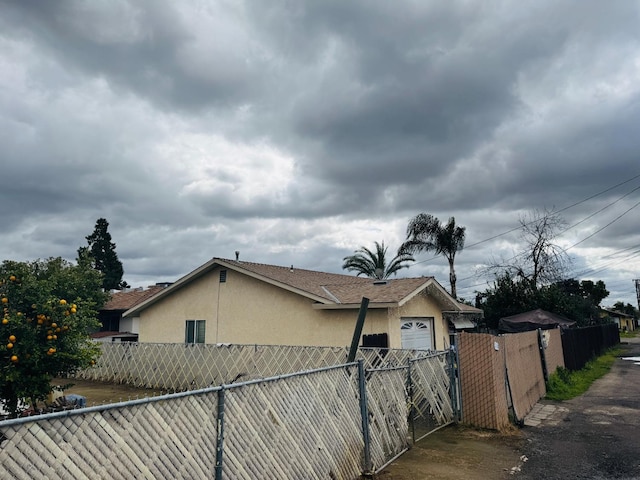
(48, 309)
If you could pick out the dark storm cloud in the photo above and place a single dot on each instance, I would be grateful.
(299, 131)
(143, 47)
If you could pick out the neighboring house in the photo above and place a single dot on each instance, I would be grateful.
(625, 322)
(114, 328)
(533, 320)
(236, 302)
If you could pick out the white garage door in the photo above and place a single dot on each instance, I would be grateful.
(417, 333)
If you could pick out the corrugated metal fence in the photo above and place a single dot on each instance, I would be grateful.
(329, 423)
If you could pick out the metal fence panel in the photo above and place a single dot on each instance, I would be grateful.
(164, 437)
(300, 425)
(305, 426)
(179, 367)
(387, 402)
(432, 398)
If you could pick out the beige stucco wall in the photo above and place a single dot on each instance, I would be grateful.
(164, 321)
(244, 310)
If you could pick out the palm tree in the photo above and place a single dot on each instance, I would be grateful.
(374, 264)
(425, 233)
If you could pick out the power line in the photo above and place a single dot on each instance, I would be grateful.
(566, 208)
(598, 211)
(601, 229)
(477, 275)
(558, 211)
(580, 273)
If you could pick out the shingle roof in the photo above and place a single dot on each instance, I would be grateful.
(329, 290)
(130, 298)
(335, 288)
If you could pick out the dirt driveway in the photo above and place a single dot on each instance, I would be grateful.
(594, 436)
(459, 453)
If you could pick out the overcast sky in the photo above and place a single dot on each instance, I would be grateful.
(297, 131)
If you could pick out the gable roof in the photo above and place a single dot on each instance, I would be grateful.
(124, 300)
(328, 290)
(615, 313)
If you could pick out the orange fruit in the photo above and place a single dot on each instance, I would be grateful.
(14, 358)
(12, 338)
(12, 278)
(49, 337)
(9, 345)
(5, 321)
(73, 310)
(54, 325)
(5, 300)
(63, 302)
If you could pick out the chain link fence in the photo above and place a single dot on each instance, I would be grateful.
(334, 422)
(177, 367)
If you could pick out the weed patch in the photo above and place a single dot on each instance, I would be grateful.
(565, 384)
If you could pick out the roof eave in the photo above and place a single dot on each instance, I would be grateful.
(209, 266)
(428, 281)
(353, 306)
(198, 272)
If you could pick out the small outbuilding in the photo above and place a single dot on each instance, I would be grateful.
(533, 320)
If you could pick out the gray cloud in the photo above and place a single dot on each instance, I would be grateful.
(298, 132)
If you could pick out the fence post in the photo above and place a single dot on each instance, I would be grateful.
(457, 379)
(362, 313)
(411, 405)
(220, 434)
(453, 390)
(543, 356)
(364, 413)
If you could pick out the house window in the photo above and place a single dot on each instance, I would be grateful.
(223, 276)
(194, 331)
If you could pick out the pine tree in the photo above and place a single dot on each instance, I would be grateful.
(104, 257)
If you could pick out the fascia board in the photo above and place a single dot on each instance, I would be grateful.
(352, 306)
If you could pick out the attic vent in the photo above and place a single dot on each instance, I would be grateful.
(223, 276)
(380, 282)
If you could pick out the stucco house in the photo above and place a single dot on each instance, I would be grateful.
(238, 302)
(113, 326)
(625, 322)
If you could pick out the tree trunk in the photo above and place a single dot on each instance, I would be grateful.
(452, 280)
